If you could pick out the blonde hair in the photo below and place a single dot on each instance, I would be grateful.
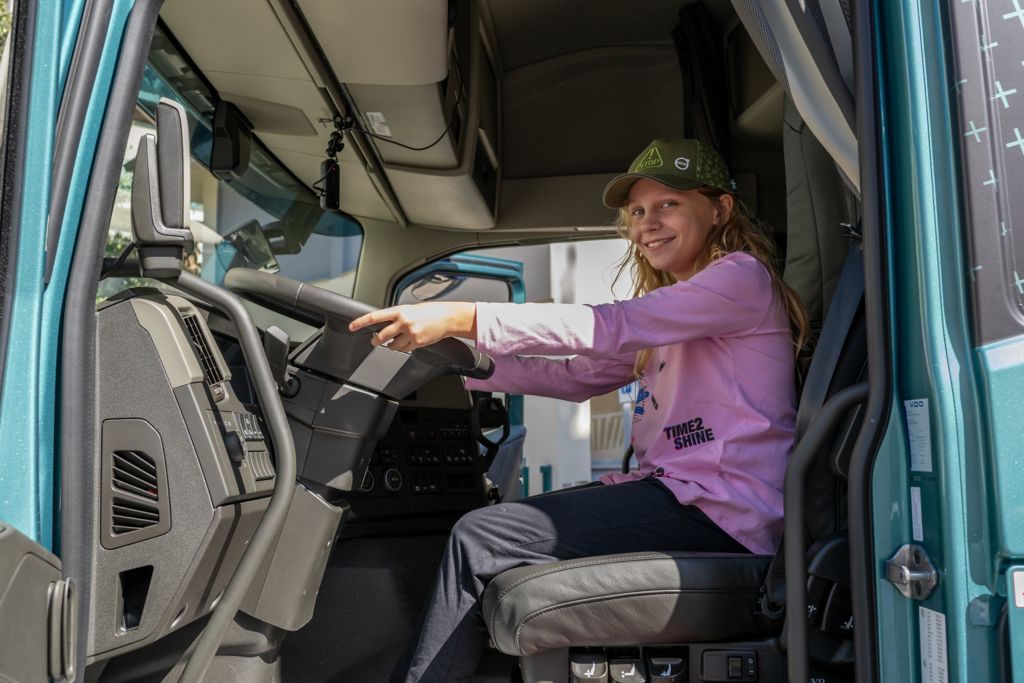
(739, 232)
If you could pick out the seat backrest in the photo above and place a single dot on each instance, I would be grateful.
(840, 360)
(815, 207)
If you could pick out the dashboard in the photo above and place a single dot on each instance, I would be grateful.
(186, 468)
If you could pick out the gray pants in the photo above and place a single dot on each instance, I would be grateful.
(590, 520)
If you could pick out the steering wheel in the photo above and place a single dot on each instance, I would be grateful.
(333, 311)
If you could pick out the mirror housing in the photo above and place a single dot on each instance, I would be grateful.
(160, 195)
(232, 141)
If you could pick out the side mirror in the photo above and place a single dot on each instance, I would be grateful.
(435, 286)
(246, 246)
(160, 195)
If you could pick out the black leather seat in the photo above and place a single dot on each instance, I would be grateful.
(627, 599)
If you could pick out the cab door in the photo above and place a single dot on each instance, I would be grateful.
(53, 85)
(948, 533)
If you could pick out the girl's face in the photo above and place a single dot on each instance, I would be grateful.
(671, 226)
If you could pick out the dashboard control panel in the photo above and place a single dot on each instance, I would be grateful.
(427, 463)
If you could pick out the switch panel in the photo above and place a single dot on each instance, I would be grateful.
(728, 665)
(627, 671)
(588, 667)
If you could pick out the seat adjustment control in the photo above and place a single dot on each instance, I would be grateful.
(664, 669)
(588, 666)
(627, 671)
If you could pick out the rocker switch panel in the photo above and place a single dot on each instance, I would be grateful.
(728, 665)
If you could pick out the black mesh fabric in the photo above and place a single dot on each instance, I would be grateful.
(752, 18)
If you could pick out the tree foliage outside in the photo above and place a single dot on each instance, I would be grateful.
(117, 242)
(5, 24)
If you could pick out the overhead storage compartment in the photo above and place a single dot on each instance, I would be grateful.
(440, 142)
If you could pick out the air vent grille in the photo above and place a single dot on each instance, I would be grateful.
(135, 472)
(129, 515)
(211, 371)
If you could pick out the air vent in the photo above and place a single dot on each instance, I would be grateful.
(130, 515)
(211, 371)
(135, 472)
(134, 495)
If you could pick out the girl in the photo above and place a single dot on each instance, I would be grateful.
(711, 334)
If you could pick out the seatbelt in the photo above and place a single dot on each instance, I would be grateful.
(839, 319)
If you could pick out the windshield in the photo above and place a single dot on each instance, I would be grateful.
(264, 219)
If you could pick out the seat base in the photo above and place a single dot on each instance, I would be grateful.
(628, 599)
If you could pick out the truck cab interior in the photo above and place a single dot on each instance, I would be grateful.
(263, 495)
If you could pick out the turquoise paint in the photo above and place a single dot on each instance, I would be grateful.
(24, 497)
(28, 495)
(546, 475)
(891, 525)
(932, 353)
(53, 298)
(71, 19)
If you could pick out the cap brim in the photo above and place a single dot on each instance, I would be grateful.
(616, 192)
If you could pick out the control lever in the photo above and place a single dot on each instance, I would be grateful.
(276, 345)
(489, 413)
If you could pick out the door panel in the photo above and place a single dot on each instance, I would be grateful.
(27, 572)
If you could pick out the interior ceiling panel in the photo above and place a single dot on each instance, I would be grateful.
(260, 70)
(386, 42)
(212, 37)
(530, 31)
(551, 121)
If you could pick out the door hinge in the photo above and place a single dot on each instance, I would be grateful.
(62, 629)
(912, 572)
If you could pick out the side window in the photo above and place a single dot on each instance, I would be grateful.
(6, 22)
(9, 97)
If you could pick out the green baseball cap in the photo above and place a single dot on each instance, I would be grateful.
(682, 164)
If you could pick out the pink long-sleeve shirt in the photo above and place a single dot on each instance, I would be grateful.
(716, 405)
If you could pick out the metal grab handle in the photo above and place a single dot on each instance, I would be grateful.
(284, 485)
(795, 543)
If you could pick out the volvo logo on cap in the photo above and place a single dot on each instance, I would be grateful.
(682, 163)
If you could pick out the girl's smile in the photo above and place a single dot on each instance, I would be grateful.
(671, 226)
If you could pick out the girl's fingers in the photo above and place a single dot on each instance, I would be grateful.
(402, 342)
(383, 315)
(387, 333)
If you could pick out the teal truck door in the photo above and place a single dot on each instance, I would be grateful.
(53, 85)
(948, 491)
(31, 587)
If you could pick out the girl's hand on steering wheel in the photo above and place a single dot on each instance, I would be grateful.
(413, 326)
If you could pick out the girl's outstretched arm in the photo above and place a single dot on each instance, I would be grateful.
(570, 379)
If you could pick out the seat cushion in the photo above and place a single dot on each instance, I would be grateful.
(627, 599)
